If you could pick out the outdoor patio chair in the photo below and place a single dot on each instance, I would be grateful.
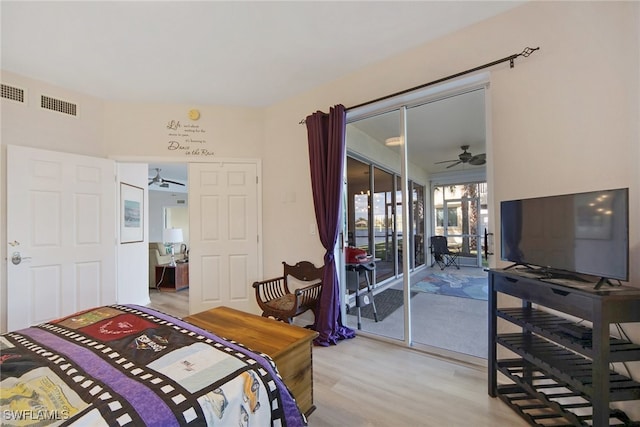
(442, 255)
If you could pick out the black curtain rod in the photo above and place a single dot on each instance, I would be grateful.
(525, 53)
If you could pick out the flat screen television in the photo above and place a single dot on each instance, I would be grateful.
(585, 233)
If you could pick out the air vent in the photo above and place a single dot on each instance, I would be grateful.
(13, 93)
(58, 105)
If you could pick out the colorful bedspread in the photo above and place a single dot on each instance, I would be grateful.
(129, 365)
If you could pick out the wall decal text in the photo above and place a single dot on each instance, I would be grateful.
(189, 139)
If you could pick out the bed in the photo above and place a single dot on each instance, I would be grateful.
(131, 365)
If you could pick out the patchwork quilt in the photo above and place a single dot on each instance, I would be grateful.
(126, 365)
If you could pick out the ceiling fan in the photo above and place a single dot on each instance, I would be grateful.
(164, 183)
(467, 157)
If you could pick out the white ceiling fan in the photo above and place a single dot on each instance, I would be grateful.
(161, 182)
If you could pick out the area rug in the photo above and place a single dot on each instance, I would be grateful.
(386, 301)
(455, 285)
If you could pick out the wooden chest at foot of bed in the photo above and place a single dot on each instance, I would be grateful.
(289, 346)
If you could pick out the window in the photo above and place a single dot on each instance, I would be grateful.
(452, 217)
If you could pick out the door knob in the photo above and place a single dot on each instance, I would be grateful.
(16, 258)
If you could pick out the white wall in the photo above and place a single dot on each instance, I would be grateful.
(141, 130)
(29, 125)
(158, 200)
(133, 258)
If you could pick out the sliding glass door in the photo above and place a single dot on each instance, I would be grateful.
(374, 228)
(396, 155)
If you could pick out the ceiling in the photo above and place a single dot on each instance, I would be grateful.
(240, 53)
(235, 53)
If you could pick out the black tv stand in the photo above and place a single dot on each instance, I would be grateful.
(560, 374)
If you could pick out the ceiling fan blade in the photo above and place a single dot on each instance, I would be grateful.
(455, 164)
(446, 161)
(173, 182)
(150, 182)
(479, 159)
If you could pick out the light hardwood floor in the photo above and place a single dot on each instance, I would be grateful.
(366, 382)
(173, 303)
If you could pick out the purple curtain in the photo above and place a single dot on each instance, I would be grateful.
(326, 134)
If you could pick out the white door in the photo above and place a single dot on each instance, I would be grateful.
(61, 220)
(223, 221)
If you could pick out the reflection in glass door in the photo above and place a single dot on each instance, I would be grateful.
(417, 225)
(372, 227)
(384, 224)
(372, 223)
(358, 204)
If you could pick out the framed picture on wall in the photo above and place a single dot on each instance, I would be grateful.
(131, 213)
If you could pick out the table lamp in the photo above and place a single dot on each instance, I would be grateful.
(171, 236)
